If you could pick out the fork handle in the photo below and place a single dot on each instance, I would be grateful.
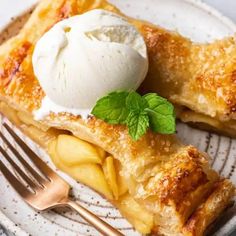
(104, 228)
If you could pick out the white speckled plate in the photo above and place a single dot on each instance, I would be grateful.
(191, 18)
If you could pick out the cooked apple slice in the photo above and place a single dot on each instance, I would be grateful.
(74, 151)
(92, 175)
(110, 175)
(136, 214)
(121, 181)
(101, 152)
(53, 154)
(88, 174)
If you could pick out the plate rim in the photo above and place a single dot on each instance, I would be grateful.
(7, 223)
(214, 12)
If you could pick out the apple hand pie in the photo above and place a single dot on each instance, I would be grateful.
(198, 78)
(160, 185)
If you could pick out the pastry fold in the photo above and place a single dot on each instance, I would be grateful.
(172, 182)
(200, 79)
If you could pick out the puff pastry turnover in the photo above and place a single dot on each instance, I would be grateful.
(198, 78)
(170, 188)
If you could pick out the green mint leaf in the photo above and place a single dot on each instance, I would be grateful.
(138, 123)
(137, 112)
(161, 114)
(112, 108)
(134, 101)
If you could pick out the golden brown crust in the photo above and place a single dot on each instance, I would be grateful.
(200, 77)
(206, 213)
(169, 179)
(193, 70)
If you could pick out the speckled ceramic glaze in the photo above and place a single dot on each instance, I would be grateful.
(192, 19)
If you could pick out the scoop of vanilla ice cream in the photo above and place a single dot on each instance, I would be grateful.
(83, 58)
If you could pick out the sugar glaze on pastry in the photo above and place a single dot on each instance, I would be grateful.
(173, 183)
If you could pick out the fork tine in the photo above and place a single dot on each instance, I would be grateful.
(42, 166)
(16, 184)
(23, 162)
(18, 169)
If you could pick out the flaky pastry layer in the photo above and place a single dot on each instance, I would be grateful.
(172, 181)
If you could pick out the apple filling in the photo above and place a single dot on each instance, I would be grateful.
(86, 163)
(206, 122)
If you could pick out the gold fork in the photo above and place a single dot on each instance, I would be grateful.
(46, 190)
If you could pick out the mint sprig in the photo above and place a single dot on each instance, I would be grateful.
(112, 108)
(137, 112)
(161, 114)
(137, 122)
